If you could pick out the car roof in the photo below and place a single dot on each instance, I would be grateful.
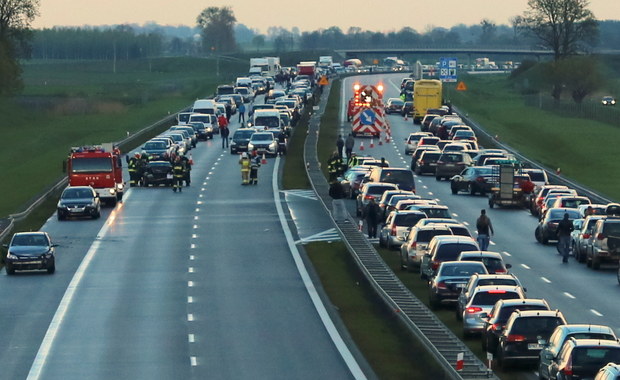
(453, 239)
(491, 288)
(582, 327)
(523, 301)
(30, 233)
(536, 313)
(594, 342)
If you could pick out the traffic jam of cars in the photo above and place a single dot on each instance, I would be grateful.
(95, 173)
(491, 302)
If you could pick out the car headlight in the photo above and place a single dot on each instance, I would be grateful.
(112, 191)
(250, 146)
(120, 186)
(11, 256)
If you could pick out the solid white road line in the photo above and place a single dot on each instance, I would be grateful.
(38, 364)
(341, 346)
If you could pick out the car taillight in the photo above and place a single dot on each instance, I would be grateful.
(497, 292)
(442, 285)
(568, 369)
(552, 224)
(434, 264)
(480, 179)
(413, 245)
(473, 309)
(368, 197)
(515, 338)
(585, 236)
(393, 231)
(600, 236)
(500, 270)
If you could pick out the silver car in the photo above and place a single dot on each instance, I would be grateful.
(416, 244)
(473, 311)
(392, 235)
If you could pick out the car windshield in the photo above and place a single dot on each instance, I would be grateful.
(611, 229)
(155, 145)
(201, 118)
(262, 137)
(407, 220)
(491, 263)
(559, 214)
(491, 297)
(536, 176)
(496, 281)
(462, 270)
(29, 240)
(243, 134)
(91, 165)
(425, 236)
(267, 121)
(533, 326)
(76, 194)
(184, 117)
(451, 157)
(397, 176)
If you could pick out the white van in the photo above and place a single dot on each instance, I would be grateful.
(243, 82)
(266, 118)
(204, 106)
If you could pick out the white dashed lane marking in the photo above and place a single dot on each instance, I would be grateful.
(525, 266)
(545, 279)
(193, 246)
(506, 253)
(596, 313)
(190, 299)
(193, 361)
(465, 223)
(191, 338)
(190, 284)
(567, 294)
(190, 270)
(190, 317)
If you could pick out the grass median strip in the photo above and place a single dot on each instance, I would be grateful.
(383, 340)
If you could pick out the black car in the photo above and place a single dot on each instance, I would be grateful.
(427, 163)
(30, 250)
(548, 225)
(583, 358)
(203, 132)
(158, 173)
(394, 105)
(525, 334)
(79, 201)
(157, 149)
(451, 277)
(240, 139)
(497, 317)
(474, 179)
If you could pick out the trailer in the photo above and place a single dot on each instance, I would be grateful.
(508, 189)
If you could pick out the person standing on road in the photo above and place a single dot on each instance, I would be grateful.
(224, 133)
(485, 230)
(241, 111)
(178, 171)
(132, 168)
(244, 161)
(228, 112)
(254, 165)
(333, 166)
(222, 122)
(349, 144)
(565, 227)
(371, 216)
(340, 145)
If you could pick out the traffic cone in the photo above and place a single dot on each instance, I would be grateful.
(191, 160)
(558, 171)
(380, 141)
(372, 143)
(263, 161)
(360, 224)
(362, 145)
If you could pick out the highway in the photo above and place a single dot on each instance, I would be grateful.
(582, 294)
(192, 285)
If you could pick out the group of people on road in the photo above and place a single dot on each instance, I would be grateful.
(137, 166)
(249, 167)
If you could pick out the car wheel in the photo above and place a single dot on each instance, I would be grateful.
(97, 215)
(51, 269)
(10, 270)
(544, 238)
(588, 261)
(596, 263)
(537, 234)
(381, 242)
(470, 189)
(438, 177)
(454, 190)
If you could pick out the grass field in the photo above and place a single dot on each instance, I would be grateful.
(585, 150)
(67, 104)
(330, 125)
(389, 349)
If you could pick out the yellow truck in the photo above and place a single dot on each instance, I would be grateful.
(426, 94)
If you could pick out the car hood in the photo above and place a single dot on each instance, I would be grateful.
(29, 250)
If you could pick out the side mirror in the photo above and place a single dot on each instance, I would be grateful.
(54, 245)
(508, 266)
(484, 315)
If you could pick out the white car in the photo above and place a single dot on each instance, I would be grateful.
(264, 143)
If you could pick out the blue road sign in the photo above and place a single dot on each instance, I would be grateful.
(368, 117)
(447, 69)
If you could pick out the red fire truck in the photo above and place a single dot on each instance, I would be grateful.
(99, 167)
(366, 112)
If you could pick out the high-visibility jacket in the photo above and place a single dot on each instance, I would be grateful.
(132, 165)
(245, 164)
(178, 169)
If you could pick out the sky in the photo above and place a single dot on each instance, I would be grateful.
(306, 15)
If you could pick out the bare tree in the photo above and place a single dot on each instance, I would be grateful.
(560, 25)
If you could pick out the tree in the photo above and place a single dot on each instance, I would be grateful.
(217, 27)
(258, 41)
(15, 18)
(582, 76)
(560, 25)
(489, 32)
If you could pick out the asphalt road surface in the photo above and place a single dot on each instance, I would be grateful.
(192, 285)
(582, 294)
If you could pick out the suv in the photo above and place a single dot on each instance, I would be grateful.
(416, 244)
(402, 177)
(473, 310)
(444, 248)
(451, 164)
(427, 163)
(493, 261)
(584, 238)
(30, 250)
(264, 143)
(496, 318)
(582, 358)
(240, 139)
(525, 333)
(79, 201)
(610, 372)
(392, 235)
(561, 334)
(605, 243)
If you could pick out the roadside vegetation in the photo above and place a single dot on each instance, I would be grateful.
(585, 150)
(377, 332)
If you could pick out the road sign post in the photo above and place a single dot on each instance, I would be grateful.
(447, 69)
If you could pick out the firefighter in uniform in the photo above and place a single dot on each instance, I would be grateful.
(142, 161)
(333, 166)
(178, 171)
(187, 164)
(254, 165)
(132, 167)
(244, 161)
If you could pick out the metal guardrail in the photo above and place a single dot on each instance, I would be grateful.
(438, 340)
(63, 181)
(553, 177)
